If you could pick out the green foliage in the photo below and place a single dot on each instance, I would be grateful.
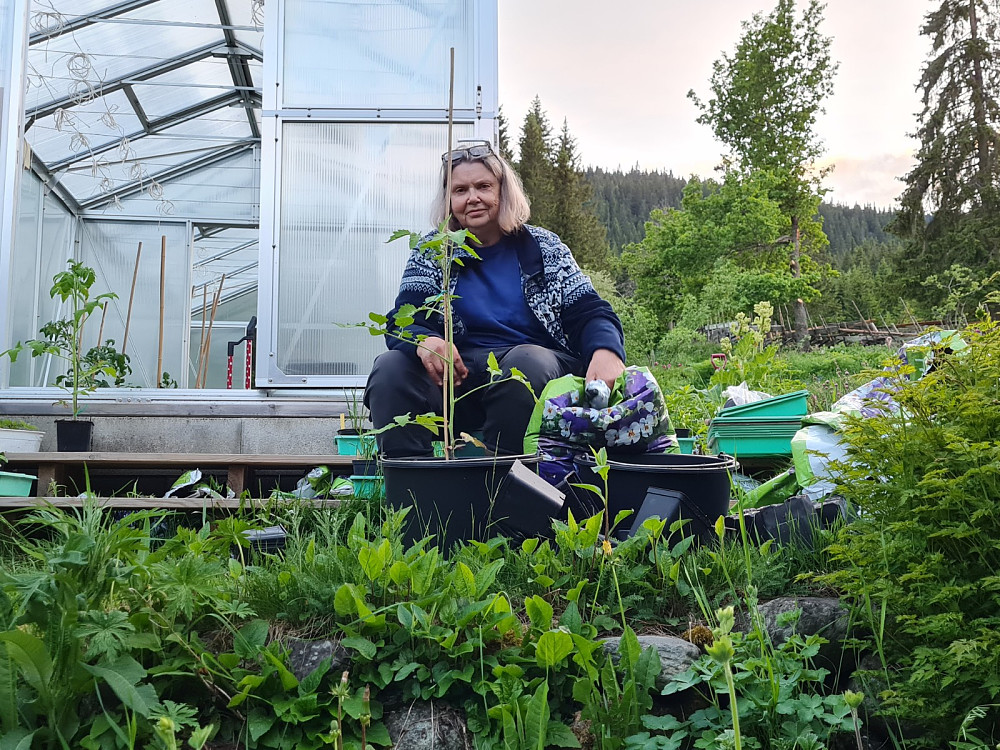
(725, 249)
(921, 562)
(638, 322)
(774, 696)
(15, 424)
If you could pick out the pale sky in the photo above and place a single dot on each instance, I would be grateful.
(619, 71)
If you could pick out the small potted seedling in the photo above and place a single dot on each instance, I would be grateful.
(351, 438)
(63, 339)
(19, 437)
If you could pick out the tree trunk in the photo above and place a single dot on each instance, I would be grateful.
(801, 319)
(983, 134)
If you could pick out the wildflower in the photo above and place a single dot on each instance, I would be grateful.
(606, 547)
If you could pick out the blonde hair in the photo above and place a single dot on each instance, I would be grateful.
(514, 205)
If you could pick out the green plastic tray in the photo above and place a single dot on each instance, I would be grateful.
(368, 487)
(793, 404)
(15, 485)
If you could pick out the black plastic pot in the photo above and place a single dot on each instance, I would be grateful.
(364, 467)
(704, 481)
(451, 500)
(74, 435)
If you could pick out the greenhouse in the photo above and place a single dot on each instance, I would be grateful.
(218, 162)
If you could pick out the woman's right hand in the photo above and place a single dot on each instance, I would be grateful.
(433, 353)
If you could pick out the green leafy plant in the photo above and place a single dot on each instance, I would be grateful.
(64, 338)
(16, 424)
(920, 564)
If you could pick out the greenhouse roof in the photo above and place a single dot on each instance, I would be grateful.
(122, 97)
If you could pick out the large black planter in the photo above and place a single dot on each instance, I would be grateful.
(702, 481)
(73, 435)
(452, 500)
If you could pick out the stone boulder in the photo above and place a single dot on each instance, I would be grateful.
(826, 617)
(676, 654)
(427, 725)
(305, 656)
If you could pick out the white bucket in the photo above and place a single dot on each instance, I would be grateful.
(20, 441)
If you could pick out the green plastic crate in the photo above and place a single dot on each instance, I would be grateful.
(15, 485)
(367, 487)
(795, 404)
(751, 446)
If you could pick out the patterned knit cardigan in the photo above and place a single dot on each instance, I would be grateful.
(557, 291)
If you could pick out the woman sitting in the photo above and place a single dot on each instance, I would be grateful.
(526, 301)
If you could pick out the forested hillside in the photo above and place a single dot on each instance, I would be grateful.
(623, 200)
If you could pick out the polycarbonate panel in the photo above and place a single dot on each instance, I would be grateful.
(76, 131)
(32, 306)
(6, 36)
(356, 54)
(222, 333)
(53, 15)
(227, 190)
(344, 189)
(112, 51)
(111, 247)
(182, 88)
(23, 300)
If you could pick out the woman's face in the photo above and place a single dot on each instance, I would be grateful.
(475, 200)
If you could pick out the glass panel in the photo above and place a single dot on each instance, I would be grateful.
(345, 189)
(218, 354)
(360, 55)
(110, 247)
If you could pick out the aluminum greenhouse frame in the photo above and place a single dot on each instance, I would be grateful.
(267, 153)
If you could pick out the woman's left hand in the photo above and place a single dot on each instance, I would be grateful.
(605, 365)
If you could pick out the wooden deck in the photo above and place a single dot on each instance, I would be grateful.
(57, 468)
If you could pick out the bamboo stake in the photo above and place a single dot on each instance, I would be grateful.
(100, 330)
(163, 275)
(131, 297)
(447, 427)
(201, 341)
(203, 375)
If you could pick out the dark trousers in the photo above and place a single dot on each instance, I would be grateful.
(398, 384)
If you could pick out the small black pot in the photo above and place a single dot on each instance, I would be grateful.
(74, 435)
(364, 467)
(450, 499)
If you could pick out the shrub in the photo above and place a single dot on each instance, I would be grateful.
(921, 562)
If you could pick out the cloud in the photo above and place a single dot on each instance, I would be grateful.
(872, 179)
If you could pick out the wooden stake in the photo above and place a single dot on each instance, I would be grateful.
(163, 281)
(447, 428)
(100, 331)
(201, 341)
(131, 297)
(203, 375)
(920, 328)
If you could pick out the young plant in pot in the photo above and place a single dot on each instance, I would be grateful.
(63, 339)
(351, 438)
(449, 496)
(19, 437)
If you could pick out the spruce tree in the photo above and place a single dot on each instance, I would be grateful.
(573, 217)
(504, 137)
(950, 208)
(535, 164)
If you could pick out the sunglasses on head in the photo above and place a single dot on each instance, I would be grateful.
(478, 151)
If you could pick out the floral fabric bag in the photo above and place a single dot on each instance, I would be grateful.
(565, 425)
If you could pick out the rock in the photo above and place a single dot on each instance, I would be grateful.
(676, 654)
(823, 616)
(305, 656)
(426, 725)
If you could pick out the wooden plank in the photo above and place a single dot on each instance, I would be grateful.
(178, 459)
(166, 503)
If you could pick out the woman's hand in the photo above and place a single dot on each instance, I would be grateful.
(432, 352)
(605, 365)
